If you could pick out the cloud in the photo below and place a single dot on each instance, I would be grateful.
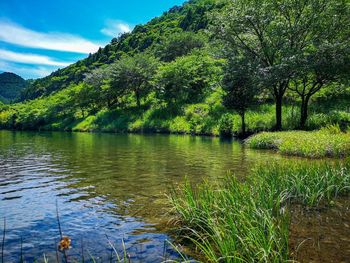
(18, 35)
(30, 59)
(27, 71)
(115, 27)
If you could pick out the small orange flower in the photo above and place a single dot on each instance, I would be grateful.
(64, 243)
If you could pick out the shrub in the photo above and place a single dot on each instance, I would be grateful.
(226, 124)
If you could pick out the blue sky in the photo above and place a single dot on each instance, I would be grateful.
(40, 36)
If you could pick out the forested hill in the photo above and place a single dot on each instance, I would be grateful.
(189, 17)
(11, 86)
(207, 67)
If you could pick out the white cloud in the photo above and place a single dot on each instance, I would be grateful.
(115, 27)
(30, 59)
(27, 71)
(15, 34)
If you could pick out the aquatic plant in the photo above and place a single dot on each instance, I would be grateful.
(248, 221)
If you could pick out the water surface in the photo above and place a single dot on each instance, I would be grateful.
(104, 184)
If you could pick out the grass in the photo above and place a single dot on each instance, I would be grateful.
(248, 221)
(209, 117)
(327, 142)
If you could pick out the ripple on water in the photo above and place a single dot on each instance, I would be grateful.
(103, 184)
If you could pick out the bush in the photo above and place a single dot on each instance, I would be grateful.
(226, 124)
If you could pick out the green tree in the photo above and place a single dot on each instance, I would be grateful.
(97, 80)
(188, 79)
(133, 74)
(327, 65)
(86, 98)
(274, 31)
(240, 87)
(179, 44)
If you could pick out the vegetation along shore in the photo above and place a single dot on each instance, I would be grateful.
(236, 221)
(273, 73)
(207, 67)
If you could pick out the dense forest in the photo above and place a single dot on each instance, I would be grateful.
(207, 67)
(11, 86)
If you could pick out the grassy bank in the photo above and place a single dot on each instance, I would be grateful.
(327, 142)
(208, 117)
(248, 222)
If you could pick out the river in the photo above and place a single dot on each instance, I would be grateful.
(104, 185)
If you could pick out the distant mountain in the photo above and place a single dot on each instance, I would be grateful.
(11, 86)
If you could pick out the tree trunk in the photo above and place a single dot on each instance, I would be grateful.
(243, 123)
(279, 112)
(137, 93)
(304, 111)
(279, 91)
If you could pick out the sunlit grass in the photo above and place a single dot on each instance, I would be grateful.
(248, 222)
(327, 142)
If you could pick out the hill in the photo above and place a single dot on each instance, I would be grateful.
(190, 17)
(206, 67)
(11, 86)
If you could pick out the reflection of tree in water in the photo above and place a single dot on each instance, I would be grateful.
(116, 183)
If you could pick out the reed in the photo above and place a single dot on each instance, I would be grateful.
(235, 221)
(3, 241)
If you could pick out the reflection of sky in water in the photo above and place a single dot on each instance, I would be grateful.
(104, 184)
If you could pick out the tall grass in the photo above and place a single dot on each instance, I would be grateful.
(327, 142)
(248, 221)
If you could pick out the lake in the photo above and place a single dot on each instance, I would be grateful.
(105, 185)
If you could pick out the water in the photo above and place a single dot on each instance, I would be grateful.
(104, 184)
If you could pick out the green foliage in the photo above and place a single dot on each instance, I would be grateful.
(248, 222)
(133, 75)
(189, 17)
(226, 125)
(188, 79)
(319, 120)
(11, 86)
(179, 44)
(328, 142)
(240, 85)
(169, 76)
(288, 40)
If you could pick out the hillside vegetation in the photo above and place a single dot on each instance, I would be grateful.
(207, 67)
(11, 86)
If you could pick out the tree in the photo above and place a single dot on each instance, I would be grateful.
(97, 80)
(179, 44)
(274, 31)
(240, 87)
(317, 69)
(86, 97)
(188, 78)
(133, 74)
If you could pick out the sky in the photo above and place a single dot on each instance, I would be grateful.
(40, 36)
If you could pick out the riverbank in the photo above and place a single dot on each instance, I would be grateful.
(328, 142)
(249, 221)
(207, 118)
